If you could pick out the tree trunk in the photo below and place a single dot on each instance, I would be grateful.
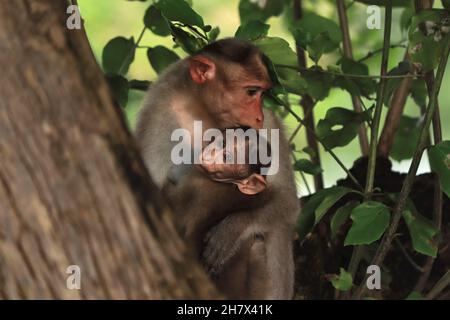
(73, 188)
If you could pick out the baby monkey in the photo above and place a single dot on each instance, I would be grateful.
(231, 172)
(236, 160)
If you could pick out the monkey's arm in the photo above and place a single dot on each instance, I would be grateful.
(225, 239)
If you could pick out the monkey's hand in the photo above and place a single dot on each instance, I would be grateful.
(222, 242)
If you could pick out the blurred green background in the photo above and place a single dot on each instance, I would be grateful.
(106, 19)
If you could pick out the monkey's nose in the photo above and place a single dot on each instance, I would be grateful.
(259, 122)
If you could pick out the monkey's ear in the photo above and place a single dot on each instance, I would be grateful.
(254, 184)
(201, 69)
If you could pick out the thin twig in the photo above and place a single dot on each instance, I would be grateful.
(409, 180)
(379, 105)
(308, 104)
(299, 126)
(437, 134)
(356, 100)
(131, 52)
(407, 256)
(302, 175)
(440, 285)
(350, 75)
(370, 54)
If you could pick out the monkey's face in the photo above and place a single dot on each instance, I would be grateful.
(232, 93)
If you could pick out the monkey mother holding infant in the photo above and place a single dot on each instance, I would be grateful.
(238, 220)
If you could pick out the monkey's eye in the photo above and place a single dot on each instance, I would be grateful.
(227, 157)
(252, 92)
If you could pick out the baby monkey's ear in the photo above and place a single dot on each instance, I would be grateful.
(252, 185)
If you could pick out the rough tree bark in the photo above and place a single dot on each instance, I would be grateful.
(73, 189)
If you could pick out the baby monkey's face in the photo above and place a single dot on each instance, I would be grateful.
(229, 164)
(221, 161)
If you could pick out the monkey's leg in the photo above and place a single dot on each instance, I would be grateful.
(257, 270)
(280, 265)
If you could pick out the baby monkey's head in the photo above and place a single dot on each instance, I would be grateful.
(235, 158)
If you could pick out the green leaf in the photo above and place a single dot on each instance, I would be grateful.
(180, 10)
(426, 49)
(309, 151)
(440, 163)
(313, 31)
(406, 138)
(317, 206)
(405, 19)
(318, 46)
(422, 233)
(278, 50)
(414, 295)
(120, 88)
(307, 166)
(118, 55)
(402, 68)
(259, 10)
(213, 34)
(355, 86)
(252, 30)
(141, 85)
(370, 220)
(280, 53)
(446, 4)
(343, 282)
(186, 41)
(348, 122)
(160, 58)
(342, 214)
(330, 197)
(318, 83)
(395, 3)
(156, 22)
(419, 92)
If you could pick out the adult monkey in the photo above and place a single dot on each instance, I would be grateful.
(223, 86)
